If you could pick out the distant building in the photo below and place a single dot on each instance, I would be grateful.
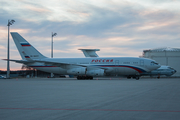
(165, 56)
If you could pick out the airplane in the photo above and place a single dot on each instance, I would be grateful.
(90, 52)
(83, 68)
(163, 70)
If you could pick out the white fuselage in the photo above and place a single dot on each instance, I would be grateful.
(110, 65)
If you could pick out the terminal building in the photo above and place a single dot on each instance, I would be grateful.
(165, 56)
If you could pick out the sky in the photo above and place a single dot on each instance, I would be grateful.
(119, 28)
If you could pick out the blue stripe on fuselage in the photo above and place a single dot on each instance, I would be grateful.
(135, 68)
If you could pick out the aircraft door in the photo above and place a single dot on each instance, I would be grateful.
(141, 62)
(116, 68)
(117, 62)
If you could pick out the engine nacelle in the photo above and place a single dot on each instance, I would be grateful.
(108, 70)
(77, 71)
(99, 72)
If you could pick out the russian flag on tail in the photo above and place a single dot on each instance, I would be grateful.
(27, 57)
(25, 44)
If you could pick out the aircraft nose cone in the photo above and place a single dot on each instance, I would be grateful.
(174, 71)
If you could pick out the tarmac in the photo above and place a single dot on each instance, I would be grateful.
(98, 99)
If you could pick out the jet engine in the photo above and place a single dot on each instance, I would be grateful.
(77, 71)
(98, 72)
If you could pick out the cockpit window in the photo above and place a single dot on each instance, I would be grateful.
(171, 68)
(154, 63)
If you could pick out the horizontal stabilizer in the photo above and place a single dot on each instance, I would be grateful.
(20, 61)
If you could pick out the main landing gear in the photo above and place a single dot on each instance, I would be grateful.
(134, 77)
(84, 77)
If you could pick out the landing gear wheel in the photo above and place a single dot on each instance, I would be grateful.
(91, 77)
(128, 77)
(137, 77)
(84, 77)
(79, 77)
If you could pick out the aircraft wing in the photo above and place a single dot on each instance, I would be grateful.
(62, 64)
(58, 64)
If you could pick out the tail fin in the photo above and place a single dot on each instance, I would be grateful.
(90, 52)
(26, 50)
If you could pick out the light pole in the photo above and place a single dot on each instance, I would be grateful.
(53, 34)
(10, 22)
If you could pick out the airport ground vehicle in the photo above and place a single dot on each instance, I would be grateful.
(2, 77)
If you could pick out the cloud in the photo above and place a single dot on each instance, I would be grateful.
(118, 28)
